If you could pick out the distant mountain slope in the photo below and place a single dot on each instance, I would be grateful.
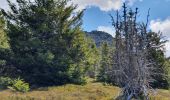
(100, 37)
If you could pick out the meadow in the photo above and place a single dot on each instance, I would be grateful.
(90, 91)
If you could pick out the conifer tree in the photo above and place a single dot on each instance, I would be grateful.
(3, 37)
(46, 41)
(93, 58)
(3, 43)
(106, 63)
(167, 66)
(156, 53)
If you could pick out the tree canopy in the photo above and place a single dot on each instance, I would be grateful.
(47, 45)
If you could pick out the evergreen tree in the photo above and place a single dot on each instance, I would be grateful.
(46, 41)
(156, 53)
(106, 63)
(3, 42)
(93, 58)
(3, 37)
(167, 67)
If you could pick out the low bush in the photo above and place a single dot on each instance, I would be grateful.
(19, 85)
(5, 82)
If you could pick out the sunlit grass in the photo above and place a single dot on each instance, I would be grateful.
(91, 91)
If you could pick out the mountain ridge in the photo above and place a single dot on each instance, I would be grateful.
(99, 37)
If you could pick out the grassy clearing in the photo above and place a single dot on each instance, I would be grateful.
(91, 91)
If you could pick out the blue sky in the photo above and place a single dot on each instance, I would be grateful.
(96, 16)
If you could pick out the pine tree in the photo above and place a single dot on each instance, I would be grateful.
(167, 70)
(3, 37)
(46, 41)
(106, 63)
(3, 43)
(156, 54)
(93, 58)
(167, 67)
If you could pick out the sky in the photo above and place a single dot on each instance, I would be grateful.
(96, 15)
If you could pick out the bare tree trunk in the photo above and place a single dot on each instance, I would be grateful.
(131, 65)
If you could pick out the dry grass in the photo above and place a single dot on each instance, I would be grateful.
(91, 91)
(161, 95)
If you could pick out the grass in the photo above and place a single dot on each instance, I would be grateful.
(91, 91)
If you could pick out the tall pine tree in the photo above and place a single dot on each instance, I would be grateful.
(106, 63)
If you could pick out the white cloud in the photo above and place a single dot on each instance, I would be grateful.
(161, 25)
(104, 5)
(164, 27)
(4, 4)
(107, 29)
(167, 45)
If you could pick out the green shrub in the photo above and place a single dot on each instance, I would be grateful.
(167, 67)
(5, 82)
(19, 85)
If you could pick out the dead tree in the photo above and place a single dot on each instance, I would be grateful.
(131, 69)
